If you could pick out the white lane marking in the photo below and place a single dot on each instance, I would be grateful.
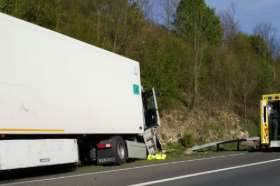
(118, 170)
(204, 173)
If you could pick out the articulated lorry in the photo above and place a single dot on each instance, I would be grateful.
(63, 101)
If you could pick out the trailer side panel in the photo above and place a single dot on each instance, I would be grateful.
(53, 84)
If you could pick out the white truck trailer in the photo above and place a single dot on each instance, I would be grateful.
(60, 97)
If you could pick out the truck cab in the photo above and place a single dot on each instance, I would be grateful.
(270, 120)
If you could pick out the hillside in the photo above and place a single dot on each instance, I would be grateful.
(201, 126)
(209, 80)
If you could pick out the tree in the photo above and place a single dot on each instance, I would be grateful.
(267, 32)
(145, 6)
(169, 7)
(197, 23)
(229, 24)
(6, 6)
(260, 47)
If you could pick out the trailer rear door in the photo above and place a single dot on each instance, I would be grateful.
(152, 118)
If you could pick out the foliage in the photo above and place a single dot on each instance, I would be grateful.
(186, 140)
(197, 24)
(188, 61)
(195, 20)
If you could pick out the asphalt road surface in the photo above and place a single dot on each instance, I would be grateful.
(244, 169)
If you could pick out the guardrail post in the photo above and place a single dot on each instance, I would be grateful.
(238, 145)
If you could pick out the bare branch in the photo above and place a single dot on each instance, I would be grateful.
(269, 34)
(169, 7)
(229, 24)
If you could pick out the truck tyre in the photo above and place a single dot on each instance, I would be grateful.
(119, 150)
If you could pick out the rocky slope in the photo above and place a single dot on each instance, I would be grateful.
(202, 125)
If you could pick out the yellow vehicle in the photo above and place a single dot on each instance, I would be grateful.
(270, 120)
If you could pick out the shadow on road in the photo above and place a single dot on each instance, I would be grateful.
(35, 172)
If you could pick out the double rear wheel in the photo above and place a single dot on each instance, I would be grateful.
(119, 150)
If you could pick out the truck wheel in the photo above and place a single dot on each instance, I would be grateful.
(119, 150)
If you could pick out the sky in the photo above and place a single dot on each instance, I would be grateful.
(249, 13)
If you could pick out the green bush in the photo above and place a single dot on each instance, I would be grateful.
(186, 140)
